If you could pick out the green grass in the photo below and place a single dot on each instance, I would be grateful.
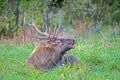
(100, 57)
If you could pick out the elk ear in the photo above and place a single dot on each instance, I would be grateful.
(58, 42)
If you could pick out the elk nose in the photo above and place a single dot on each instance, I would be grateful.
(73, 41)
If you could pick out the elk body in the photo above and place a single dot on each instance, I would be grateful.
(51, 53)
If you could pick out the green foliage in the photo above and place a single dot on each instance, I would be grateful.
(89, 11)
(7, 19)
(99, 55)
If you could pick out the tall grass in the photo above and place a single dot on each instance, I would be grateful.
(100, 57)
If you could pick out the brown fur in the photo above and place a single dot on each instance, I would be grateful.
(46, 56)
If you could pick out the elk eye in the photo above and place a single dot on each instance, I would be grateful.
(58, 42)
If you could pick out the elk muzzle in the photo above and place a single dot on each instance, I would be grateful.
(67, 44)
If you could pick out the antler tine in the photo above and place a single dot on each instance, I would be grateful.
(42, 33)
(58, 29)
(46, 29)
(54, 32)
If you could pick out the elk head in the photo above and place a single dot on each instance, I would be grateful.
(48, 54)
(59, 44)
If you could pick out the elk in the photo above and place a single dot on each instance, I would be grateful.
(51, 53)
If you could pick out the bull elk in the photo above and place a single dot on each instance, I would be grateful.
(51, 53)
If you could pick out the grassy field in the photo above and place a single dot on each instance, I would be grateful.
(100, 57)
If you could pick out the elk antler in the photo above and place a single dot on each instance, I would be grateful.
(45, 34)
(58, 29)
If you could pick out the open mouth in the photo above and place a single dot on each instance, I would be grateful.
(71, 46)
